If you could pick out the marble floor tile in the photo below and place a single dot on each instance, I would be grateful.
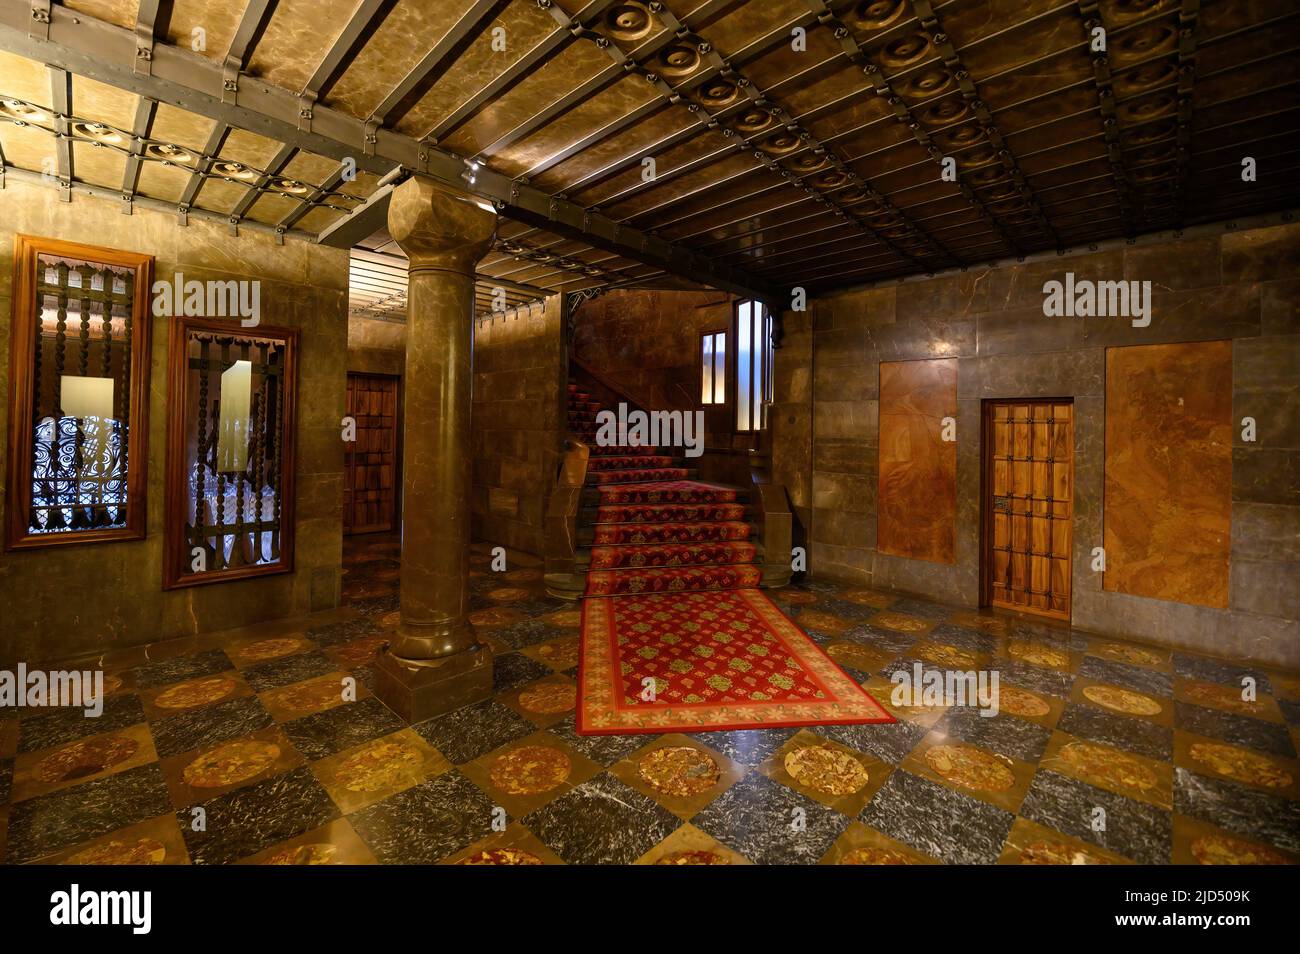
(1122, 732)
(512, 670)
(690, 846)
(427, 822)
(248, 820)
(287, 670)
(157, 841)
(746, 746)
(1052, 682)
(59, 726)
(325, 733)
(603, 749)
(1003, 733)
(889, 742)
(1139, 678)
(465, 734)
(1239, 730)
(937, 821)
(602, 821)
(180, 668)
(1191, 666)
(209, 725)
(334, 843)
(860, 845)
(771, 823)
(1236, 808)
(1135, 830)
(44, 825)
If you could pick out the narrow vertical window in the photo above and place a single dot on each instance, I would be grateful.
(713, 359)
(753, 365)
(79, 394)
(230, 452)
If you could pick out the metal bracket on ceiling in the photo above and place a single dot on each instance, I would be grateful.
(144, 48)
(230, 80)
(232, 226)
(306, 110)
(128, 203)
(370, 138)
(39, 25)
(183, 214)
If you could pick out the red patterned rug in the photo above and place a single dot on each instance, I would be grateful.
(726, 659)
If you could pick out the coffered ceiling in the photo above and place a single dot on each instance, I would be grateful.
(750, 146)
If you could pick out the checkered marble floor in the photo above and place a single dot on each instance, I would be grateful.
(240, 748)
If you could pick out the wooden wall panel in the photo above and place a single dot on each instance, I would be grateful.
(917, 503)
(1168, 496)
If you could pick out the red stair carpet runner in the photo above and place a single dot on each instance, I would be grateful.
(676, 635)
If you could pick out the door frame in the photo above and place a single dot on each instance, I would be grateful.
(986, 509)
(399, 426)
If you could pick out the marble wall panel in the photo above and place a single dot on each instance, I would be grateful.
(1168, 504)
(917, 502)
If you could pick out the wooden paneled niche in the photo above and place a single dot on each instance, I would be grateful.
(1168, 500)
(230, 452)
(78, 394)
(917, 500)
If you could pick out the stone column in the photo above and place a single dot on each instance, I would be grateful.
(435, 663)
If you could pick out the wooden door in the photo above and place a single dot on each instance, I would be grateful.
(1028, 505)
(370, 478)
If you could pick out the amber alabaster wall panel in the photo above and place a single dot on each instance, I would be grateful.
(1168, 502)
(917, 512)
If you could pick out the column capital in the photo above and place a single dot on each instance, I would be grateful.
(440, 227)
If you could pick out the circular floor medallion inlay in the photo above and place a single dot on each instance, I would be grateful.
(87, 757)
(1240, 764)
(1107, 767)
(561, 654)
(945, 655)
(501, 856)
(1058, 853)
(816, 619)
(530, 769)
(142, 851)
(970, 768)
(549, 698)
(679, 770)
(309, 696)
(271, 649)
(899, 622)
(1224, 850)
(876, 856)
(379, 766)
(868, 598)
(496, 616)
(1129, 654)
(827, 770)
(1222, 697)
(230, 764)
(361, 651)
(1021, 702)
(304, 855)
(200, 692)
(697, 856)
(1038, 655)
(1122, 700)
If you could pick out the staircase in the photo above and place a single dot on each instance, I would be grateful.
(646, 525)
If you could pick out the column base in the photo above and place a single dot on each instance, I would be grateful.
(421, 689)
